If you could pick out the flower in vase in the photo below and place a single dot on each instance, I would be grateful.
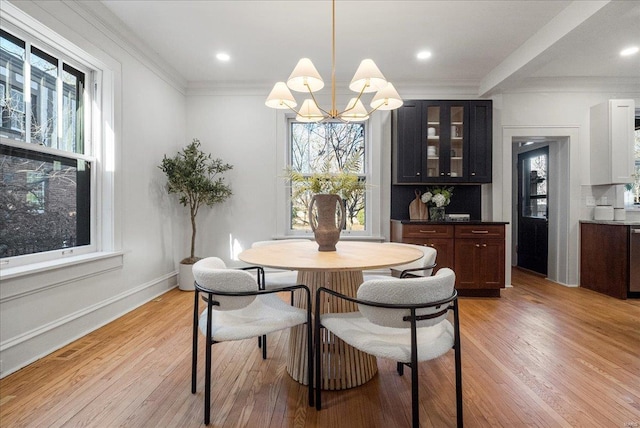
(437, 196)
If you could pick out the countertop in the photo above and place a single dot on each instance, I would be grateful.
(452, 223)
(613, 222)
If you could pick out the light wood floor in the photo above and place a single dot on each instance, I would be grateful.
(542, 355)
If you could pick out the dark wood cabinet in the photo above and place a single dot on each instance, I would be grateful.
(474, 251)
(479, 250)
(604, 259)
(442, 142)
(480, 144)
(437, 236)
(408, 157)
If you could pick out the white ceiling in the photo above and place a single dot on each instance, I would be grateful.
(487, 45)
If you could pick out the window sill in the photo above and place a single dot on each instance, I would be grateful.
(23, 280)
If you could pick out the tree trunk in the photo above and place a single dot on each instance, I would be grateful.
(193, 235)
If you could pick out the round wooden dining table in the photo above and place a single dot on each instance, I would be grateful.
(341, 270)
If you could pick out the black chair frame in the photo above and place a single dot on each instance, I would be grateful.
(209, 298)
(451, 305)
(407, 272)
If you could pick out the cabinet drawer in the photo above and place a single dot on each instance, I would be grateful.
(427, 231)
(480, 231)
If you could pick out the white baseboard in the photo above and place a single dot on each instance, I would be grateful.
(22, 350)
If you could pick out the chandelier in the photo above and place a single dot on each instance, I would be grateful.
(305, 78)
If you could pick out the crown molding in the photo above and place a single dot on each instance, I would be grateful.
(100, 17)
(407, 89)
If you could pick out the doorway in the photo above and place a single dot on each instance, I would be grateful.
(533, 210)
(564, 198)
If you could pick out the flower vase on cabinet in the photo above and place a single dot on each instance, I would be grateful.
(436, 213)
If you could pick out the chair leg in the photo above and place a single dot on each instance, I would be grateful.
(264, 347)
(207, 375)
(400, 368)
(194, 349)
(318, 362)
(458, 364)
(459, 417)
(310, 361)
(414, 372)
(260, 342)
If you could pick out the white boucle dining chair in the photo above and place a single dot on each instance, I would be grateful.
(278, 278)
(405, 320)
(237, 309)
(421, 267)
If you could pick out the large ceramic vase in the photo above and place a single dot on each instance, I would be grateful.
(327, 220)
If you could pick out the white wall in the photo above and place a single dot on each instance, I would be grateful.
(149, 121)
(241, 131)
(552, 114)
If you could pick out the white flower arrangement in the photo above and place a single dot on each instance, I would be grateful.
(437, 196)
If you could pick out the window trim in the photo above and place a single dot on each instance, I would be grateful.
(102, 77)
(373, 172)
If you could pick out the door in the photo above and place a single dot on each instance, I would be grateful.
(533, 222)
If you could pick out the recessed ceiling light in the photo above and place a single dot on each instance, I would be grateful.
(423, 55)
(629, 51)
(223, 56)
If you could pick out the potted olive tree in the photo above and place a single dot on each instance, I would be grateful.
(196, 178)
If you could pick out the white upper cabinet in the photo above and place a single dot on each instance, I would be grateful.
(612, 135)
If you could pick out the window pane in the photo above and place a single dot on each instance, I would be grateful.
(632, 190)
(328, 147)
(44, 202)
(12, 55)
(72, 110)
(44, 101)
(537, 190)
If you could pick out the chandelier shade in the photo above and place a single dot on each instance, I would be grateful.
(368, 78)
(355, 111)
(309, 112)
(280, 97)
(305, 78)
(386, 99)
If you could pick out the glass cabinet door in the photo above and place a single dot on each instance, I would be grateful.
(457, 141)
(433, 141)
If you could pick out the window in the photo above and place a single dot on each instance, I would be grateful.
(46, 173)
(328, 147)
(632, 190)
(534, 183)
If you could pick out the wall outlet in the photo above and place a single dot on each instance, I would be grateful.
(591, 201)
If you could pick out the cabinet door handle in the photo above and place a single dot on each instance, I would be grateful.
(442, 174)
(448, 173)
(484, 245)
(427, 231)
(477, 245)
(480, 231)
(473, 173)
(417, 173)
